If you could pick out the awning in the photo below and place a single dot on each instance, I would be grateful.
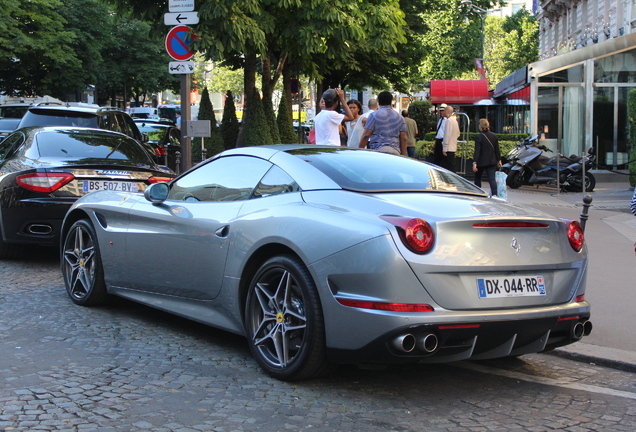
(458, 92)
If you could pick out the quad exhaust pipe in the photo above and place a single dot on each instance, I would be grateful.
(406, 343)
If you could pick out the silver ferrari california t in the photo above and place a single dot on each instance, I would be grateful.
(327, 255)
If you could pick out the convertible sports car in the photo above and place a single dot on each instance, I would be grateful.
(327, 255)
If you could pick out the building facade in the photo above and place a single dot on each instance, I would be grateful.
(577, 91)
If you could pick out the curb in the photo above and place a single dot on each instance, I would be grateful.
(597, 355)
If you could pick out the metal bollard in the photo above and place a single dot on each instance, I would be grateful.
(204, 154)
(587, 203)
(177, 156)
(165, 154)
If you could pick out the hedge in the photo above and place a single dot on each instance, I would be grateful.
(424, 148)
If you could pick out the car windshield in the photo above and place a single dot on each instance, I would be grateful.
(91, 147)
(15, 112)
(52, 117)
(367, 171)
(155, 133)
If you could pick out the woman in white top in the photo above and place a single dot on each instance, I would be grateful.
(354, 127)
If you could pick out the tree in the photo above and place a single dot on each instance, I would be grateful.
(284, 120)
(35, 48)
(229, 123)
(214, 143)
(255, 128)
(420, 111)
(270, 116)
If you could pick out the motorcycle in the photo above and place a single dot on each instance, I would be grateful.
(526, 165)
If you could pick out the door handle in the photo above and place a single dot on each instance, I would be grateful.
(223, 231)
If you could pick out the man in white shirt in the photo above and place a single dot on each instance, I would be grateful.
(327, 122)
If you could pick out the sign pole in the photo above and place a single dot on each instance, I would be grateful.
(186, 154)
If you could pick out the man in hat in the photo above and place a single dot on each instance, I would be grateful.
(438, 157)
(328, 120)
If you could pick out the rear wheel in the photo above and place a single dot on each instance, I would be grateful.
(82, 266)
(515, 179)
(284, 322)
(575, 182)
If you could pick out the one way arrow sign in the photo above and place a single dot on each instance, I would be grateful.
(185, 18)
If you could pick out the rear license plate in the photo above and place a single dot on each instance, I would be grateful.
(119, 186)
(523, 286)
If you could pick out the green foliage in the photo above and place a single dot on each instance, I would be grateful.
(214, 143)
(255, 128)
(424, 148)
(631, 116)
(285, 125)
(229, 124)
(270, 116)
(420, 111)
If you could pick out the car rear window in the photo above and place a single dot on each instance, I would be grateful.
(367, 171)
(90, 147)
(53, 117)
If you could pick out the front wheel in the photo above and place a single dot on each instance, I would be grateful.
(82, 266)
(284, 321)
(514, 179)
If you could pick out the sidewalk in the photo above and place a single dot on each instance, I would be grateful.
(610, 235)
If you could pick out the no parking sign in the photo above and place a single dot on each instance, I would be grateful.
(178, 43)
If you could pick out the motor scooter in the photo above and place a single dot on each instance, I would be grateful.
(526, 165)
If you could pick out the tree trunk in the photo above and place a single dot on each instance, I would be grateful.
(249, 82)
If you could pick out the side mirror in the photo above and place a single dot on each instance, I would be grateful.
(157, 193)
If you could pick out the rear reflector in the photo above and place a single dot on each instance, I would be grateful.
(580, 298)
(570, 318)
(44, 182)
(393, 307)
(510, 225)
(458, 326)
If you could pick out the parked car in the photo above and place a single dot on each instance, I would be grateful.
(44, 170)
(82, 115)
(10, 115)
(164, 137)
(321, 255)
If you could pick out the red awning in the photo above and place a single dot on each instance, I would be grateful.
(458, 92)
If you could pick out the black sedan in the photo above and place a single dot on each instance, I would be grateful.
(164, 137)
(44, 170)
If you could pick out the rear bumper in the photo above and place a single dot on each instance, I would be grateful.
(447, 342)
(34, 220)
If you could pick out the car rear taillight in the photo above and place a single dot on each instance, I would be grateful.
(416, 234)
(392, 307)
(575, 235)
(44, 182)
(152, 180)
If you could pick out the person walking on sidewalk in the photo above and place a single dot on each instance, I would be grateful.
(449, 144)
(411, 132)
(487, 156)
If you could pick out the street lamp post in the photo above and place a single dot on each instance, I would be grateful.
(482, 14)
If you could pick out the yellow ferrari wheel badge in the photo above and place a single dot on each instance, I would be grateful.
(279, 317)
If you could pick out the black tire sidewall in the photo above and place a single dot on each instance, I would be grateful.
(311, 357)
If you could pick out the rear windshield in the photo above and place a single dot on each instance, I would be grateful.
(14, 112)
(44, 117)
(367, 171)
(90, 147)
(155, 133)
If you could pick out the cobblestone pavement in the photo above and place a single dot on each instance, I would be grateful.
(130, 368)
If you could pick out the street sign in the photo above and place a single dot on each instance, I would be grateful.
(184, 18)
(181, 5)
(184, 67)
(199, 128)
(178, 43)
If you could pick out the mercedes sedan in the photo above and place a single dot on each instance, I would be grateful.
(328, 255)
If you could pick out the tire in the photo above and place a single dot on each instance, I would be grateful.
(9, 251)
(514, 179)
(82, 266)
(284, 321)
(574, 183)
